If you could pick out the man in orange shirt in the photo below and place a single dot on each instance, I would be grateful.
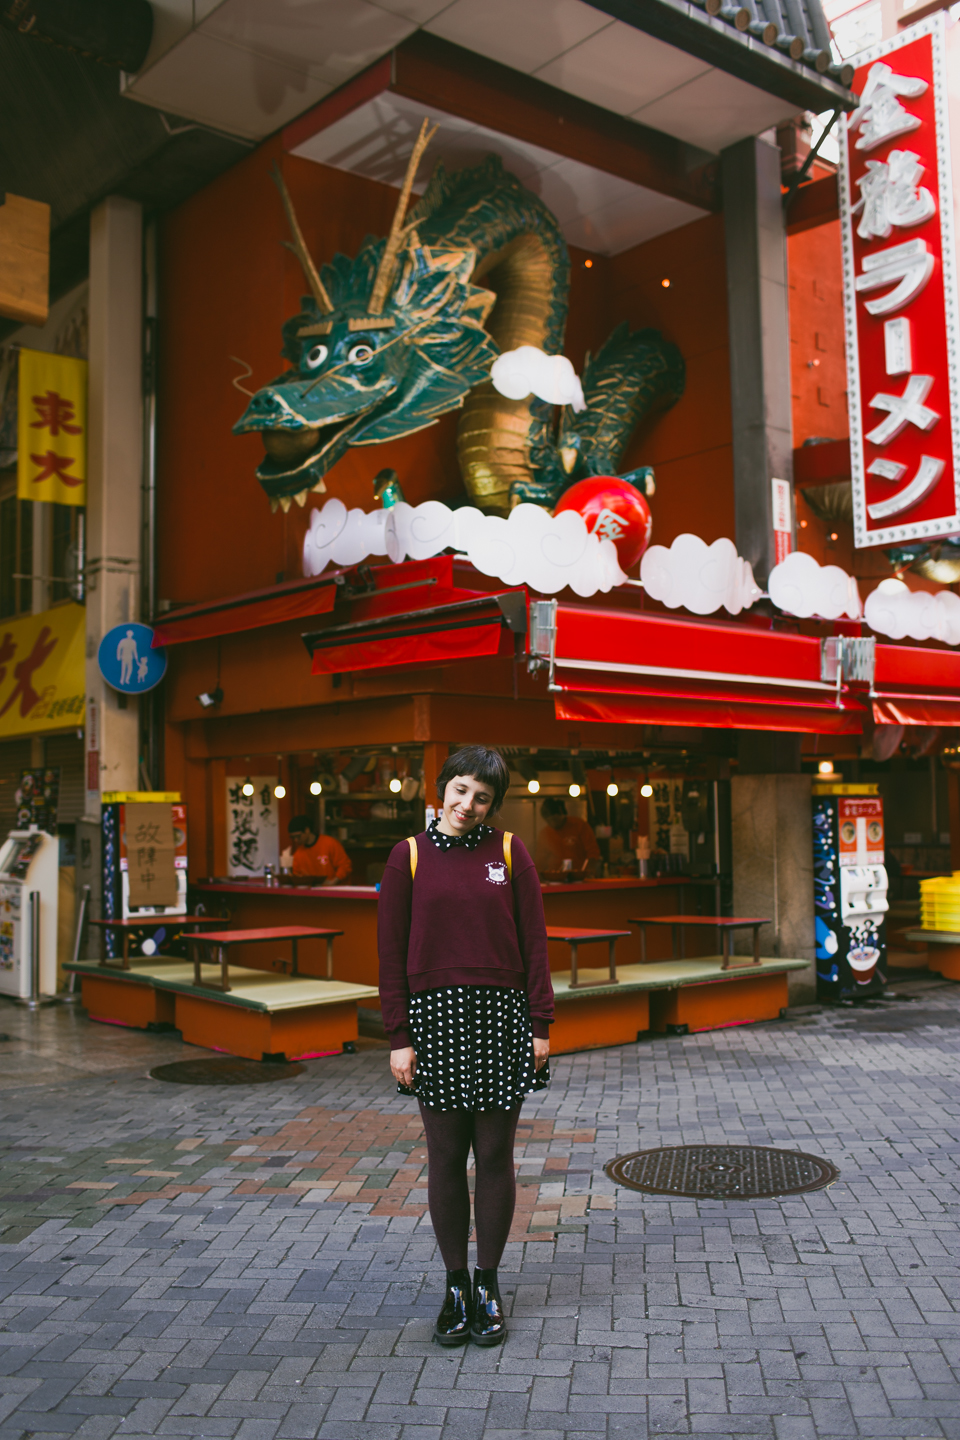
(565, 837)
(317, 855)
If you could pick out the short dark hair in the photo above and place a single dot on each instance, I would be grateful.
(300, 823)
(553, 805)
(481, 763)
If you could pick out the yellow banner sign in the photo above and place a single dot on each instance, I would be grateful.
(52, 428)
(42, 671)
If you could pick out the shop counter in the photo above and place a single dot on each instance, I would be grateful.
(586, 904)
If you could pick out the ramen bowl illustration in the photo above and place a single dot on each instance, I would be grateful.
(863, 962)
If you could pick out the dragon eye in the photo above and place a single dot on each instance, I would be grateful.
(360, 354)
(316, 356)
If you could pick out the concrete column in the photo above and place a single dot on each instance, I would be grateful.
(756, 251)
(113, 483)
(772, 834)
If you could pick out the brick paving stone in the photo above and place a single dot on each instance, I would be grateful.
(258, 1263)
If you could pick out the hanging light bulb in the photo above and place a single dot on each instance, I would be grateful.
(826, 767)
(533, 786)
(315, 787)
(573, 790)
(279, 791)
(247, 787)
(646, 790)
(396, 786)
(613, 788)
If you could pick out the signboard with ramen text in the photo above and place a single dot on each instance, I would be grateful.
(900, 291)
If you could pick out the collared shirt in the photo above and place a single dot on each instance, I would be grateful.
(470, 841)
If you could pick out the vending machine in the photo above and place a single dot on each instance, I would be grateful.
(849, 891)
(29, 866)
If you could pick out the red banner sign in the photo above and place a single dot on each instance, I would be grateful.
(900, 292)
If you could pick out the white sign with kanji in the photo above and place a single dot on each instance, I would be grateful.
(900, 289)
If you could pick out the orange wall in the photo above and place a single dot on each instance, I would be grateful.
(818, 367)
(227, 285)
(690, 446)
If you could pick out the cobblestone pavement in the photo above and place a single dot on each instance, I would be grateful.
(257, 1262)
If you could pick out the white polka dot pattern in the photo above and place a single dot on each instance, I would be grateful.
(474, 1047)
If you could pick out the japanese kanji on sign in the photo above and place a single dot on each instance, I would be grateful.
(900, 292)
(52, 428)
(42, 672)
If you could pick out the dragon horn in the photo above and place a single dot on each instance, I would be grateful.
(388, 261)
(299, 246)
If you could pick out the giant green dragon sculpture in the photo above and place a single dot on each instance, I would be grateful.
(387, 342)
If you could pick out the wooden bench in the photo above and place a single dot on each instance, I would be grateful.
(127, 929)
(224, 940)
(575, 937)
(725, 924)
(665, 996)
(261, 1013)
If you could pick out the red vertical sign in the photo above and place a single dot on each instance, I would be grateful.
(900, 292)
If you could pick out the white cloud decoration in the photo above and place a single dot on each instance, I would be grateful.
(699, 577)
(801, 586)
(528, 371)
(893, 609)
(342, 537)
(531, 547)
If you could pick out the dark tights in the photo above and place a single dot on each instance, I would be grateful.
(450, 1134)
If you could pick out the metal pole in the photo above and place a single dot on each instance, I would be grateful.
(33, 1000)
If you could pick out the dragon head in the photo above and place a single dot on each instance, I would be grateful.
(384, 344)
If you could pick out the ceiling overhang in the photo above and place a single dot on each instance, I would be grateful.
(249, 67)
(597, 210)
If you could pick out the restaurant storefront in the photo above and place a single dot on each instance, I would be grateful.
(346, 587)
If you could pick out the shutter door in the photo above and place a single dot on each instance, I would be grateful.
(67, 753)
(14, 757)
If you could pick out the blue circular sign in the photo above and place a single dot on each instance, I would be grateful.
(127, 660)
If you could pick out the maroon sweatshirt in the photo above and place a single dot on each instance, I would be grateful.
(461, 922)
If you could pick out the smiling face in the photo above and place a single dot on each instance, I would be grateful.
(466, 804)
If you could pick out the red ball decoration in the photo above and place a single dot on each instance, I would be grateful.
(614, 510)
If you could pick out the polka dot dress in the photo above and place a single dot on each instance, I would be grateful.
(474, 1047)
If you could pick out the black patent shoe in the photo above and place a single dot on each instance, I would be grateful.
(489, 1326)
(453, 1322)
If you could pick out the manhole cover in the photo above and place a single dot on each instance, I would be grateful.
(230, 1071)
(722, 1172)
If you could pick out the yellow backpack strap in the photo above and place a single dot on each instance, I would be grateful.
(412, 842)
(507, 855)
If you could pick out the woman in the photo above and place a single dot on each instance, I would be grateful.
(467, 1006)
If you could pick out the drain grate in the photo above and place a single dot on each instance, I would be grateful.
(722, 1172)
(232, 1070)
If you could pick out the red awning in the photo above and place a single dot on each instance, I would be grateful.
(462, 630)
(370, 588)
(246, 612)
(635, 668)
(915, 687)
